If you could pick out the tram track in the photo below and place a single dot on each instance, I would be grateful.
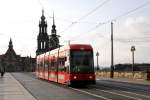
(130, 85)
(119, 94)
(124, 87)
(125, 94)
(91, 94)
(103, 90)
(107, 94)
(132, 92)
(103, 95)
(115, 91)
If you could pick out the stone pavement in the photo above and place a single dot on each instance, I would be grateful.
(11, 89)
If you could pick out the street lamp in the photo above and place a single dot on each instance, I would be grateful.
(132, 50)
(112, 53)
(97, 54)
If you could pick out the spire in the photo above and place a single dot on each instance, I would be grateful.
(42, 24)
(53, 31)
(43, 17)
(10, 44)
(53, 19)
(42, 12)
(42, 38)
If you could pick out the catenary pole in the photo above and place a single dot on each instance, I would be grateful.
(112, 53)
(97, 54)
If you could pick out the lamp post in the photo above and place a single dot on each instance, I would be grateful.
(97, 54)
(132, 50)
(112, 53)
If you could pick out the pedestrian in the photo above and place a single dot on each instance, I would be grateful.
(2, 70)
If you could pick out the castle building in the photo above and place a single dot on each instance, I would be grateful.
(46, 42)
(12, 62)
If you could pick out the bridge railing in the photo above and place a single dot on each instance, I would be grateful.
(141, 75)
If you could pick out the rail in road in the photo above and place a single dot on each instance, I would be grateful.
(103, 90)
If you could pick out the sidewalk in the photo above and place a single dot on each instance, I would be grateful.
(141, 82)
(11, 89)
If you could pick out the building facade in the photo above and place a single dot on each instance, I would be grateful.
(12, 62)
(46, 42)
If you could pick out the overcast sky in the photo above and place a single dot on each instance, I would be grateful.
(80, 21)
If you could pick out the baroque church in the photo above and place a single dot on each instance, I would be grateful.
(12, 62)
(46, 42)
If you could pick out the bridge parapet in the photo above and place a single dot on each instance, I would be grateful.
(140, 75)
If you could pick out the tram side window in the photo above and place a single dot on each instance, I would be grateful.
(62, 64)
(38, 63)
(46, 64)
(38, 66)
(55, 65)
(52, 65)
(41, 64)
(49, 65)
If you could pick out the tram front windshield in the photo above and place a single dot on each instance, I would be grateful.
(81, 61)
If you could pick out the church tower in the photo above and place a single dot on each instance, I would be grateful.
(53, 38)
(10, 50)
(10, 44)
(42, 38)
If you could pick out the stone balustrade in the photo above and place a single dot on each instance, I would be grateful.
(141, 75)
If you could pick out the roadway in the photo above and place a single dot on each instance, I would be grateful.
(105, 89)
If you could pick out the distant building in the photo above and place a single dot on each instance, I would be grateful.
(15, 63)
(128, 67)
(46, 42)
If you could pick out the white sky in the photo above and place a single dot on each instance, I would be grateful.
(19, 20)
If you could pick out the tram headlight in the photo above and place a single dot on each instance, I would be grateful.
(90, 77)
(75, 77)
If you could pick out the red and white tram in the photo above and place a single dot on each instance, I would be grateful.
(67, 65)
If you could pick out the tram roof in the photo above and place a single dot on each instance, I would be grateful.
(72, 47)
